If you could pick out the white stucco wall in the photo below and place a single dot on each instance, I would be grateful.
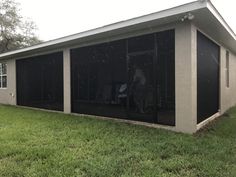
(227, 94)
(185, 78)
(8, 95)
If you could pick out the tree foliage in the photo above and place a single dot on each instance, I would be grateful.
(15, 32)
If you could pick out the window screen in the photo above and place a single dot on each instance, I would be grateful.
(40, 81)
(3, 75)
(207, 77)
(132, 78)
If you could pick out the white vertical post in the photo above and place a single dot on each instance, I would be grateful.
(67, 80)
(186, 77)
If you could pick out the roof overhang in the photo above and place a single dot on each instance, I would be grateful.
(206, 17)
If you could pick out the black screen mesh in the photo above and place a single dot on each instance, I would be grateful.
(40, 81)
(131, 78)
(207, 77)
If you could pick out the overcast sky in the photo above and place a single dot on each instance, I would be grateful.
(58, 18)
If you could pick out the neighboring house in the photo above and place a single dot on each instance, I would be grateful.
(175, 69)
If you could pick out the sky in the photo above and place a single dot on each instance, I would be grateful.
(59, 18)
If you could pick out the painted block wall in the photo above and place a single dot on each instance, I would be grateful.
(8, 95)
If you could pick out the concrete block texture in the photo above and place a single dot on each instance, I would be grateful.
(8, 95)
(67, 80)
(227, 94)
(185, 78)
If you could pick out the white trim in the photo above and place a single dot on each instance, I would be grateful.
(185, 8)
(205, 122)
(215, 12)
(3, 75)
(154, 16)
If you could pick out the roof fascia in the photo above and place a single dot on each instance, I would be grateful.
(154, 16)
(217, 15)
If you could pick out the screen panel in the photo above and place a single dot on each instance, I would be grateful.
(97, 75)
(131, 78)
(40, 81)
(165, 72)
(207, 77)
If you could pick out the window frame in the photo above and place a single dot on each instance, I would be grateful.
(3, 75)
(227, 74)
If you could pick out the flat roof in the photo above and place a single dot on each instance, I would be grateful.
(205, 14)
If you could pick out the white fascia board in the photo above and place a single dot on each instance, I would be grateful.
(154, 16)
(217, 15)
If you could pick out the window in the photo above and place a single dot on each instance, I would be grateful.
(227, 69)
(3, 75)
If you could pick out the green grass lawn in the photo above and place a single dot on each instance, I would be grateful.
(37, 143)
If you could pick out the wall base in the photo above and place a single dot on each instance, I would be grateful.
(208, 120)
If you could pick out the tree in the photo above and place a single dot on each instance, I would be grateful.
(15, 32)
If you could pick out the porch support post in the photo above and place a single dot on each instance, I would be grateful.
(67, 80)
(186, 77)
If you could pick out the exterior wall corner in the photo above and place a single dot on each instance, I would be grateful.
(186, 77)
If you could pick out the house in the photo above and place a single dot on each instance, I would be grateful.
(174, 69)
